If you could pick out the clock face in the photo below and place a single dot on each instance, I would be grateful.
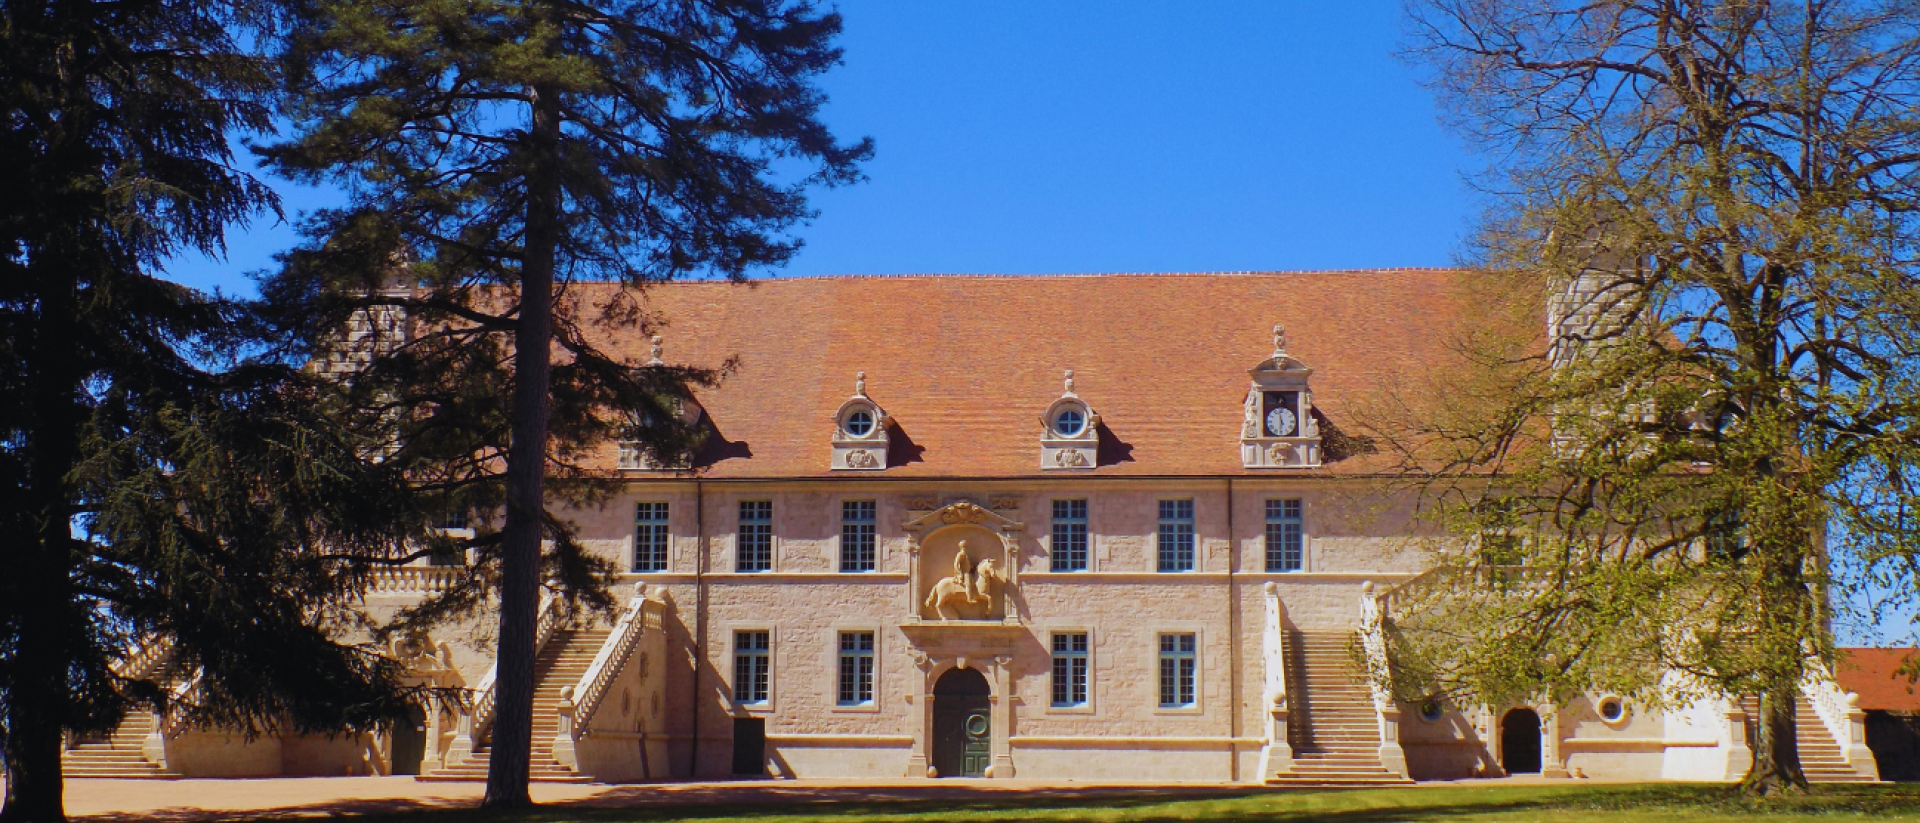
(1279, 422)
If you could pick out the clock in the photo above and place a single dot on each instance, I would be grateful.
(1280, 422)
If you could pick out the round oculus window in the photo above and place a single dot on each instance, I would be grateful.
(1612, 709)
(1431, 711)
(859, 423)
(1069, 422)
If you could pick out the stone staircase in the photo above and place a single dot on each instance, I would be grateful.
(118, 756)
(1334, 730)
(560, 664)
(1820, 757)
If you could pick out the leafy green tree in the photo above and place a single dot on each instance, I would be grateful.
(163, 478)
(1716, 438)
(495, 152)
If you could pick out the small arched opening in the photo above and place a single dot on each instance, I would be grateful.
(1520, 742)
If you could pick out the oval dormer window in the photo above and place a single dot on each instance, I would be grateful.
(1070, 422)
(860, 423)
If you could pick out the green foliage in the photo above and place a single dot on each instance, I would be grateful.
(159, 476)
(687, 134)
(1715, 202)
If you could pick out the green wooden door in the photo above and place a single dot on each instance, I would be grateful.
(979, 745)
(962, 724)
(962, 735)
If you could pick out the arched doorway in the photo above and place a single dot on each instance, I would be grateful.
(962, 724)
(1520, 742)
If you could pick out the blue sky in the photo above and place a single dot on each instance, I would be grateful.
(1027, 138)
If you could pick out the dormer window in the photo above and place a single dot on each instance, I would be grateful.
(1279, 431)
(636, 455)
(859, 432)
(1069, 422)
(859, 423)
(1069, 433)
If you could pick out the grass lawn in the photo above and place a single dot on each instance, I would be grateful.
(1609, 803)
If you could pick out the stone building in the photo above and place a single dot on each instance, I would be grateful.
(1088, 527)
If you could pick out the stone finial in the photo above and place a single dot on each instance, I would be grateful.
(860, 384)
(656, 353)
(1279, 339)
(1069, 381)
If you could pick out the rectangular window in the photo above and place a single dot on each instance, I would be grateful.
(752, 667)
(1070, 669)
(1285, 541)
(1176, 535)
(1069, 550)
(856, 668)
(755, 550)
(1179, 669)
(857, 518)
(650, 537)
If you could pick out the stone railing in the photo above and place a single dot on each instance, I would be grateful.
(1840, 711)
(1373, 641)
(1276, 755)
(478, 720)
(579, 702)
(1395, 601)
(173, 721)
(415, 579)
(147, 659)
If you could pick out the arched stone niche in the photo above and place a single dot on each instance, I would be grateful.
(937, 566)
(936, 591)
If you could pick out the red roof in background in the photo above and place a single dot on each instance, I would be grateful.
(965, 365)
(1870, 674)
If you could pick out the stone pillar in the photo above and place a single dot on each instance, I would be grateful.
(920, 698)
(563, 748)
(154, 747)
(1002, 718)
(1858, 755)
(463, 743)
(1552, 762)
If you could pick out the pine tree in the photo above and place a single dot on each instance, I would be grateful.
(163, 477)
(1714, 442)
(495, 151)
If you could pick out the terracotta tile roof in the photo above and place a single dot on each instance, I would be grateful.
(966, 365)
(1870, 673)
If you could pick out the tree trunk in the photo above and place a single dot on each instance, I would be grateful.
(512, 747)
(43, 606)
(1776, 755)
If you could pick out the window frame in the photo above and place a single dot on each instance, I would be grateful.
(1277, 523)
(741, 526)
(1187, 659)
(872, 525)
(665, 538)
(1173, 523)
(735, 655)
(1085, 521)
(1056, 656)
(842, 655)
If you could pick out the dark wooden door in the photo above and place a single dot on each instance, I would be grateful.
(410, 742)
(962, 735)
(962, 725)
(1520, 742)
(749, 746)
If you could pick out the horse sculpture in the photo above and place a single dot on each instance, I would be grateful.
(987, 580)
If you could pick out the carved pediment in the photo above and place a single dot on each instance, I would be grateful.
(962, 512)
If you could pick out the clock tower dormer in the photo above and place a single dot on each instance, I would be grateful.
(1279, 431)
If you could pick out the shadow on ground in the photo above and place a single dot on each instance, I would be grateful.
(642, 803)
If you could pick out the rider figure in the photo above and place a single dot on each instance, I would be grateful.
(964, 572)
